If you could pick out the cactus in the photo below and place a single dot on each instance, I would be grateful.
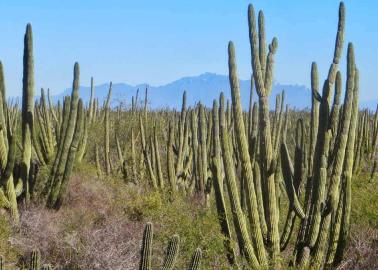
(194, 147)
(133, 158)
(27, 110)
(170, 162)
(195, 263)
(35, 260)
(98, 165)
(244, 240)
(247, 174)
(146, 251)
(146, 156)
(52, 188)
(217, 172)
(202, 151)
(326, 161)
(172, 253)
(72, 153)
(160, 177)
(263, 83)
(3, 102)
(2, 264)
(107, 132)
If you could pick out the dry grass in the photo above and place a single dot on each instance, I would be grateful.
(89, 232)
(100, 226)
(362, 252)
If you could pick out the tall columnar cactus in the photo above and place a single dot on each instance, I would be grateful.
(8, 191)
(160, 177)
(247, 174)
(216, 167)
(321, 169)
(146, 251)
(133, 158)
(52, 188)
(194, 147)
(91, 102)
(146, 155)
(27, 109)
(145, 103)
(72, 153)
(202, 151)
(170, 160)
(3, 101)
(323, 137)
(181, 136)
(107, 132)
(263, 75)
(46, 139)
(245, 243)
(87, 123)
(333, 197)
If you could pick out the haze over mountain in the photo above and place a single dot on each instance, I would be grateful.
(205, 88)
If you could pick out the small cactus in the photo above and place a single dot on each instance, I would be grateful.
(146, 252)
(172, 252)
(35, 260)
(195, 263)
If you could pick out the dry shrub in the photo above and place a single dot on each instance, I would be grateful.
(362, 252)
(89, 231)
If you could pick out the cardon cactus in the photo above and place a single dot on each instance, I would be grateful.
(53, 188)
(324, 166)
(27, 110)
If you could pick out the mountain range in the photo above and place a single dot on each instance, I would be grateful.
(204, 88)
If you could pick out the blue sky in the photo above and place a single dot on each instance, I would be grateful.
(160, 41)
